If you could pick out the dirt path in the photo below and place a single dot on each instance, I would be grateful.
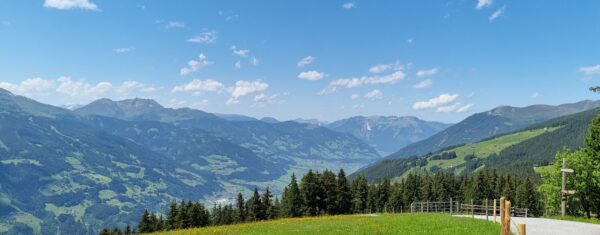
(541, 226)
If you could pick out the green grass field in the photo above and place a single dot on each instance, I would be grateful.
(356, 224)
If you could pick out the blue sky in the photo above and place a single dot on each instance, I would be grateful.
(437, 60)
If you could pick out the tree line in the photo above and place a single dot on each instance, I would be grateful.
(328, 193)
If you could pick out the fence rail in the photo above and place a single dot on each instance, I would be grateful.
(462, 208)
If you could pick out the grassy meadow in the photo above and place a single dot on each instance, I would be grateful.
(356, 224)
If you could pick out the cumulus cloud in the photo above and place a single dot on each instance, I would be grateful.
(427, 72)
(67, 90)
(238, 64)
(254, 61)
(176, 24)
(71, 4)
(374, 95)
(380, 68)
(590, 70)
(435, 102)
(497, 13)
(196, 86)
(483, 3)
(456, 107)
(354, 96)
(360, 81)
(263, 100)
(123, 49)
(195, 65)
(423, 84)
(306, 61)
(244, 88)
(349, 5)
(535, 95)
(204, 38)
(240, 52)
(311, 75)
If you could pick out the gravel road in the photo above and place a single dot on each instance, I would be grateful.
(541, 226)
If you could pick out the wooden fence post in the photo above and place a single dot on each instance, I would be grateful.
(487, 218)
(427, 206)
(521, 228)
(494, 211)
(472, 209)
(451, 205)
(502, 203)
(506, 225)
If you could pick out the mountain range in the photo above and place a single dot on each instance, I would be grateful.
(77, 171)
(497, 121)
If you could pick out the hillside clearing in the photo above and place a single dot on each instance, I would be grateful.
(356, 224)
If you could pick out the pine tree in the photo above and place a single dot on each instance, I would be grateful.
(116, 231)
(294, 201)
(254, 206)
(309, 188)
(360, 193)
(127, 230)
(592, 166)
(276, 208)
(527, 197)
(331, 193)
(383, 195)
(241, 208)
(145, 225)
(266, 205)
(372, 198)
(171, 216)
(344, 199)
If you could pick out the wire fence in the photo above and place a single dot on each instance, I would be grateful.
(462, 208)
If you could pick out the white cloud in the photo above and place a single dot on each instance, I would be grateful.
(427, 72)
(464, 108)
(349, 5)
(354, 96)
(590, 70)
(254, 61)
(358, 106)
(196, 86)
(306, 61)
(244, 88)
(435, 102)
(483, 3)
(374, 95)
(71, 4)
(456, 107)
(204, 38)
(238, 64)
(311, 75)
(380, 68)
(535, 95)
(262, 100)
(423, 84)
(360, 81)
(497, 13)
(69, 91)
(195, 65)
(175, 24)
(123, 49)
(240, 52)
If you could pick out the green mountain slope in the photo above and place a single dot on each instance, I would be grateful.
(518, 152)
(498, 121)
(75, 172)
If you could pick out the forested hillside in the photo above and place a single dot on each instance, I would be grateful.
(518, 152)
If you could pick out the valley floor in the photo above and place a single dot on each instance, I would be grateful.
(356, 224)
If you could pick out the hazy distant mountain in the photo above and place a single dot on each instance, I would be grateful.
(388, 134)
(235, 117)
(269, 120)
(73, 172)
(497, 121)
(311, 121)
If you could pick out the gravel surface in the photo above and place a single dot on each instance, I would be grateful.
(541, 226)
